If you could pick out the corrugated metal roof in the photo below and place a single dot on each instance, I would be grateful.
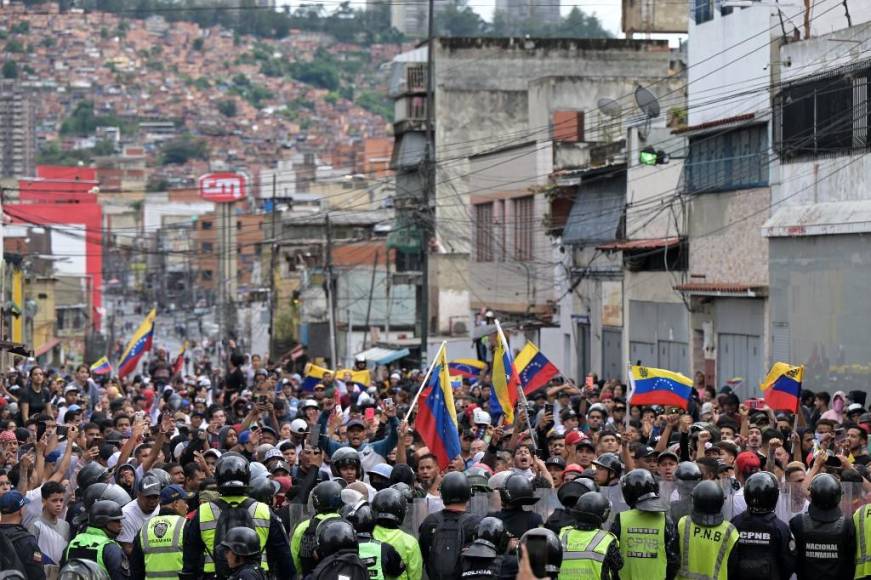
(820, 219)
(649, 244)
(722, 288)
(737, 119)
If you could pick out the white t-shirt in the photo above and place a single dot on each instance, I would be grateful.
(33, 510)
(134, 519)
(52, 537)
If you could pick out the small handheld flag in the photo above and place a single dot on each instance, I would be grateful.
(437, 417)
(652, 386)
(782, 387)
(534, 369)
(178, 365)
(138, 345)
(101, 367)
(468, 368)
(503, 396)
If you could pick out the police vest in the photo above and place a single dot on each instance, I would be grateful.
(162, 538)
(642, 544)
(705, 550)
(406, 545)
(89, 545)
(584, 552)
(210, 512)
(370, 554)
(863, 542)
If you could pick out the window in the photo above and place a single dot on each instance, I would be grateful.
(724, 161)
(206, 225)
(702, 10)
(207, 274)
(484, 232)
(207, 247)
(524, 226)
(825, 116)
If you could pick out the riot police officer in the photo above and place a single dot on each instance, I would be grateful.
(568, 495)
(444, 534)
(687, 476)
(707, 541)
(389, 507)
(766, 549)
(647, 535)
(337, 552)
(825, 540)
(486, 557)
(243, 554)
(380, 558)
(544, 551)
(588, 550)
(516, 493)
(97, 543)
(327, 500)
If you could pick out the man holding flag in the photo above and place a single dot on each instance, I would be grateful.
(138, 345)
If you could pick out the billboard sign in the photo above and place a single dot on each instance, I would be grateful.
(222, 187)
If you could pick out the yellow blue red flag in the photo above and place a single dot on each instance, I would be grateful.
(138, 345)
(652, 386)
(503, 396)
(781, 389)
(437, 416)
(101, 367)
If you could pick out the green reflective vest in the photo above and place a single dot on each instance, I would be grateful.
(863, 542)
(408, 548)
(161, 538)
(296, 539)
(370, 553)
(89, 545)
(209, 513)
(642, 545)
(584, 552)
(705, 550)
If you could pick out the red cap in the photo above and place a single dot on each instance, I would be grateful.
(7, 437)
(573, 468)
(747, 461)
(574, 437)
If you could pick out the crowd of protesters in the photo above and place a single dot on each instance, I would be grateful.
(237, 471)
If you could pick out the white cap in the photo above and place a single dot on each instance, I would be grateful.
(299, 426)
(480, 417)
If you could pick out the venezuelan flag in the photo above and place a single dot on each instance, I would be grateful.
(361, 378)
(503, 396)
(178, 365)
(101, 367)
(437, 416)
(138, 345)
(659, 387)
(468, 368)
(534, 369)
(782, 387)
(313, 374)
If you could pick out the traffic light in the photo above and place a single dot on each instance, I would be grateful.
(650, 156)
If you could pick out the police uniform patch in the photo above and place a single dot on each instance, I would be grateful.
(160, 529)
(125, 565)
(37, 557)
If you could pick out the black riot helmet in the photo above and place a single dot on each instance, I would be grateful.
(104, 511)
(455, 488)
(389, 506)
(688, 471)
(518, 491)
(334, 535)
(263, 490)
(232, 472)
(493, 530)
(92, 473)
(591, 510)
(545, 552)
(825, 495)
(761, 492)
(611, 462)
(641, 491)
(478, 480)
(110, 491)
(708, 499)
(327, 497)
(242, 541)
(346, 457)
(569, 492)
(360, 516)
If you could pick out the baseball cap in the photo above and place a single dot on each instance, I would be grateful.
(855, 408)
(747, 461)
(149, 485)
(272, 454)
(73, 409)
(574, 437)
(280, 465)
(645, 451)
(355, 423)
(12, 501)
(70, 389)
(556, 461)
(174, 492)
(666, 454)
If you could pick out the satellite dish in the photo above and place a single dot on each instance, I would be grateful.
(647, 102)
(609, 107)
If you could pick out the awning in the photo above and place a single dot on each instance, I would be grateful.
(651, 244)
(725, 289)
(596, 213)
(384, 356)
(46, 347)
(820, 219)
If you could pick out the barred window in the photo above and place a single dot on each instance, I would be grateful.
(524, 226)
(484, 232)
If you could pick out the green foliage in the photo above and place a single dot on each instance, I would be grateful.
(48, 42)
(156, 183)
(202, 83)
(14, 46)
(52, 154)
(198, 44)
(376, 103)
(227, 107)
(83, 121)
(457, 20)
(183, 149)
(22, 27)
(319, 73)
(10, 70)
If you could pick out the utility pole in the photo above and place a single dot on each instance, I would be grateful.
(429, 188)
(331, 299)
(369, 305)
(272, 261)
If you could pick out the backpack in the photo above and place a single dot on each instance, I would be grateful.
(449, 539)
(308, 543)
(346, 566)
(9, 560)
(229, 517)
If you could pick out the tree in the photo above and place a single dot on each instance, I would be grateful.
(459, 21)
(182, 149)
(198, 43)
(10, 70)
(227, 107)
(14, 46)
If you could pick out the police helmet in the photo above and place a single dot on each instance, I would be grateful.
(346, 457)
(232, 472)
(545, 552)
(497, 481)
(493, 530)
(455, 488)
(360, 516)
(334, 535)
(82, 570)
(591, 510)
(263, 490)
(708, 499)
(478, 479)
(611, 462)
(92, 473)
(404, 489)
(389, 506)
(569, 492)
(110, 491)
(258, 471)
(327, 497)
(162, 476)
(518, 491)
(761, 492)
(104, 511)
(825, 495)
(641, 491)
(242, 541)
(687, 476)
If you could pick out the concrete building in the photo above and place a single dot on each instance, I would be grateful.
(17, 131)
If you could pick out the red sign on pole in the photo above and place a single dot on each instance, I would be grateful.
(222, 187)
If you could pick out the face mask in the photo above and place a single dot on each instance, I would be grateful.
(818, 436)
